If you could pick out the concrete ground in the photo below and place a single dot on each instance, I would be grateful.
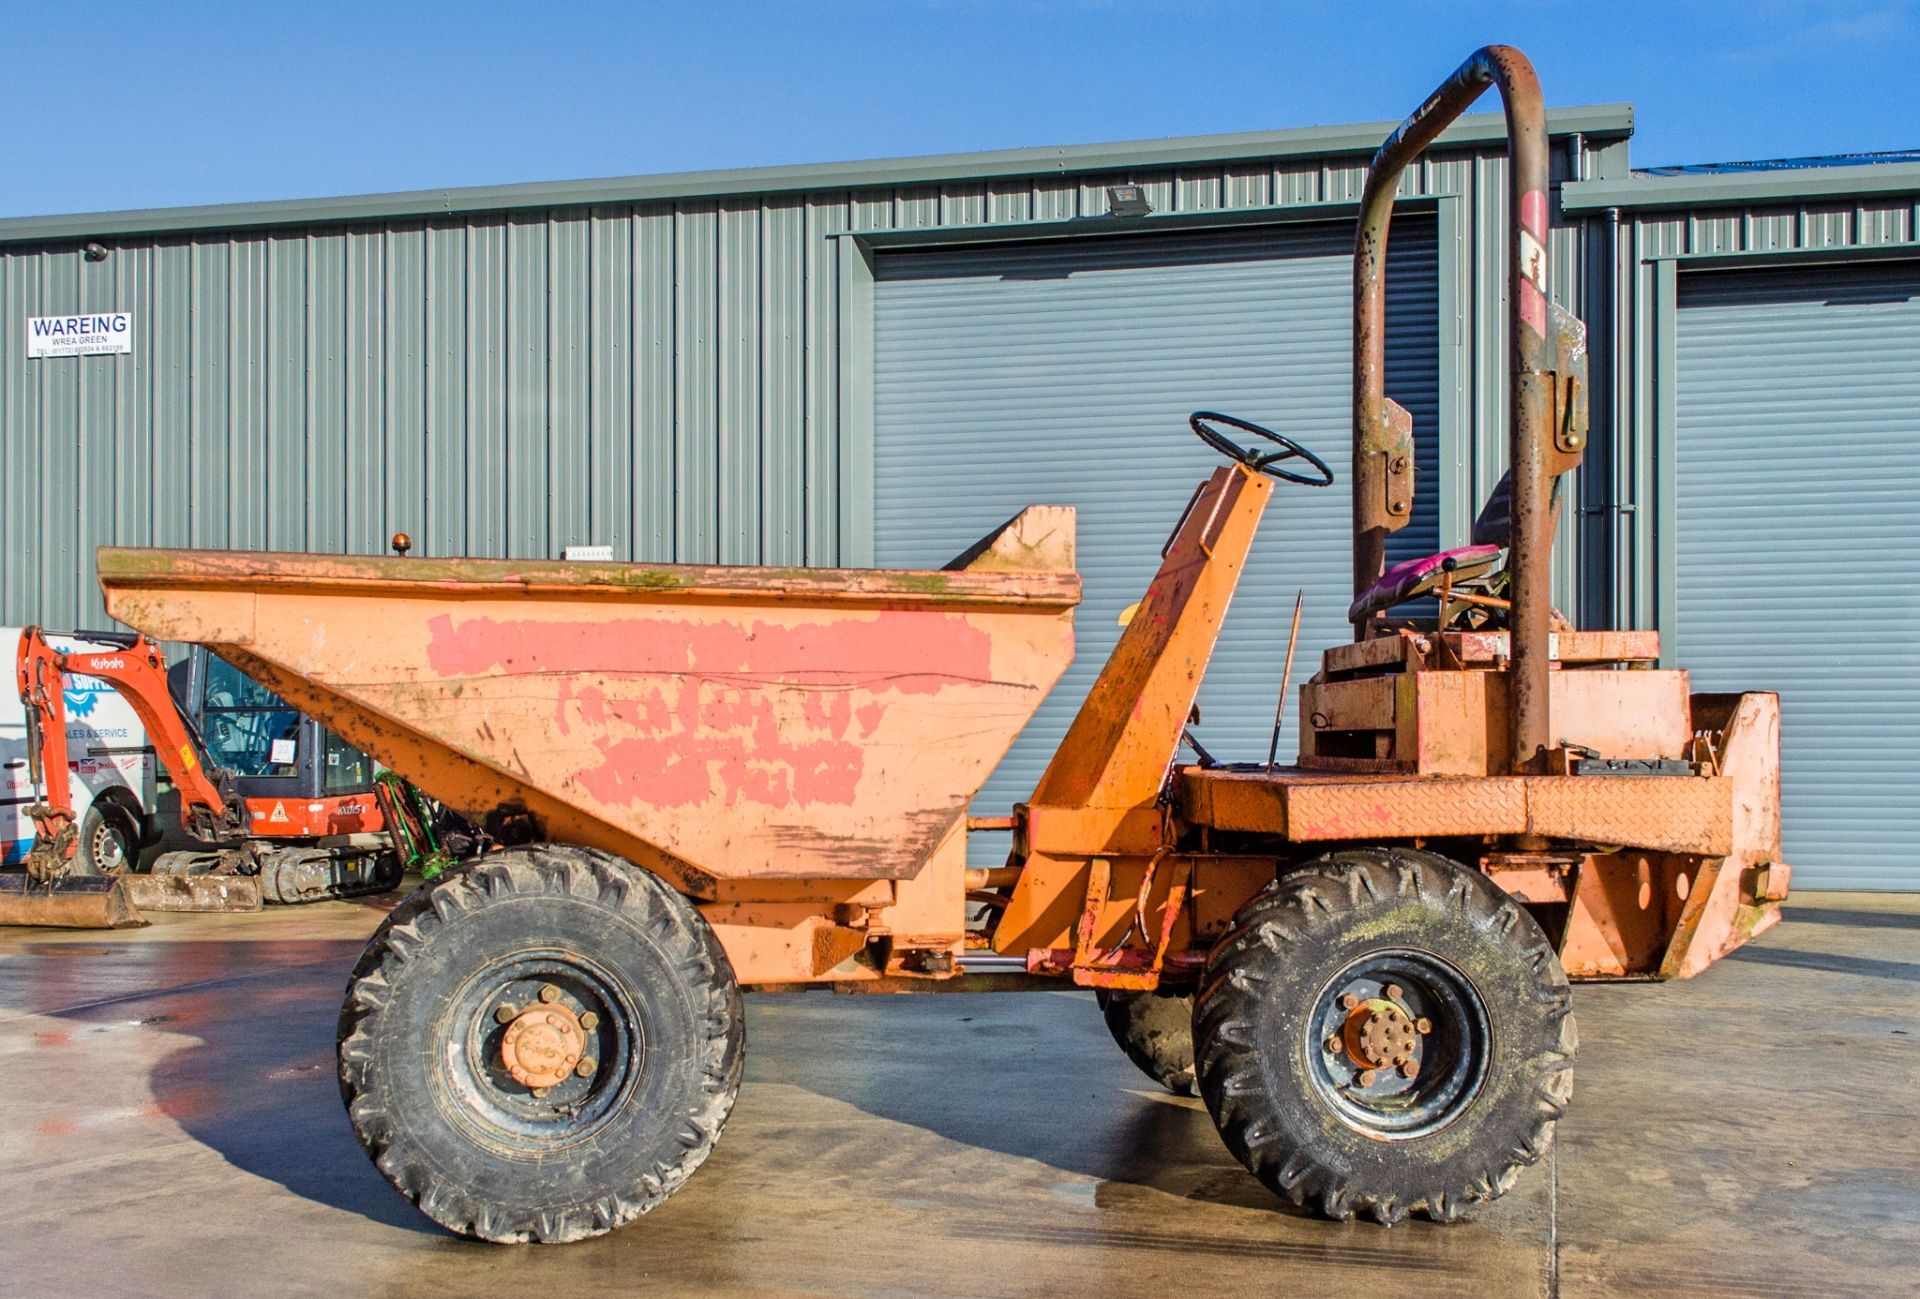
(175, 1130)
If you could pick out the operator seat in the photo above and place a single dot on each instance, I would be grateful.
(1472, 566)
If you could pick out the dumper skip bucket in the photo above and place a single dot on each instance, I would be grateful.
(704, 722)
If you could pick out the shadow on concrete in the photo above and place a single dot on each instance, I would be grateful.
(1030, 1075)
(256, 1081)
(1829, 963)
(1853, 919)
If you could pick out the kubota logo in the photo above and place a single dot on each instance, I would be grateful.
(99, 664)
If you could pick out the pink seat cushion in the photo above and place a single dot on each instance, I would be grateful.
(1414, 576)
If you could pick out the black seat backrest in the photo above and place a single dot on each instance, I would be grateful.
(1494, 524)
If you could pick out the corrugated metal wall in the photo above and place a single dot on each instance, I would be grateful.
(1797, 448)
(978, 417)
(661, 377)
(1645, 391)
(1707, 384)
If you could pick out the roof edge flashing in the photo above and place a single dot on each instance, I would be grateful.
(1728, 189)
(1599, 121)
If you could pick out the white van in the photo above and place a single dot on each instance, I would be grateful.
(114, 767)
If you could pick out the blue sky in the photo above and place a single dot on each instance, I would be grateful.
(159, 103)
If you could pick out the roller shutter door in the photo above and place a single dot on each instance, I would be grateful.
(1796, 467)
(1063, 373)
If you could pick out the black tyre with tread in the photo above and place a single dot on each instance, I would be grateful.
(1155, 1029)
(1257, 1037)
(474, 1151)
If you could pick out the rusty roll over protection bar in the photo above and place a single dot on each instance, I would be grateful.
(1383, 458)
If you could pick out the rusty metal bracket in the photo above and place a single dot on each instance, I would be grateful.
(1120, 967)
(1099, 885)
(1177, 896)
(1384, 469)
(1568, 339)
(1146, 890)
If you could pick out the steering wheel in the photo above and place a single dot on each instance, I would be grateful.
(1203, 422)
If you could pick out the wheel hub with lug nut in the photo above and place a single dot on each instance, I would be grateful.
(1379, 1033)
(544, 1044)
(1403, 1043)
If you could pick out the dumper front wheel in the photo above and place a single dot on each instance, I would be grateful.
(1384, 1031)
(541, 1046)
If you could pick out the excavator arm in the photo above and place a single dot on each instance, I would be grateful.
(133, 665)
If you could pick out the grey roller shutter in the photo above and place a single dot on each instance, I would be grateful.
(1796, 467)
(1063, 373)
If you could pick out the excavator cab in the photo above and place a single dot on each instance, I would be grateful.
(298, 779)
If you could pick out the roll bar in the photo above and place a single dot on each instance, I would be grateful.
(1547, 355)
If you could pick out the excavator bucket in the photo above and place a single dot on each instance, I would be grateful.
(202, 893)
(72, 902)
(120, 901)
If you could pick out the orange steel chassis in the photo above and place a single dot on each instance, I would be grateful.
(1130, 866)
(796, 749)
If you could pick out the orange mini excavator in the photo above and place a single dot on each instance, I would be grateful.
(242, 850)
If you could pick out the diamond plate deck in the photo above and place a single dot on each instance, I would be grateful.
(1690, 814)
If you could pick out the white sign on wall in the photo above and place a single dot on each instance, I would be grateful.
(95, 334)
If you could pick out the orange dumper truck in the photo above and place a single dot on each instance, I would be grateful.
(710, 779)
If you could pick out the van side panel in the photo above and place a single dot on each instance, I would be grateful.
(106, 748)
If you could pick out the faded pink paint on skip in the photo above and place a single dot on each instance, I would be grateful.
(686, 771)
(912, 652)
(756, 713)
(679, 743)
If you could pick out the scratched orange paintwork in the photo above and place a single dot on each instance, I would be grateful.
(1088, 835)
(1098, 800)
(1737, 897)
(711, 728)
(796, 749)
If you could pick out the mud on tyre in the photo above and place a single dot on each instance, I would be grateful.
(1385, 1031)
(1155, 1029)
(542, 1045)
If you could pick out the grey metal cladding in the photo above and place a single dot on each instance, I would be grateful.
(660, 376)
(1063, 372)
(1797, 448)
(1010, 169)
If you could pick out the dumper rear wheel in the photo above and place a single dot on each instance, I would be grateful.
(542, 1045)
(1384, 1031)
(1155, 1029)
